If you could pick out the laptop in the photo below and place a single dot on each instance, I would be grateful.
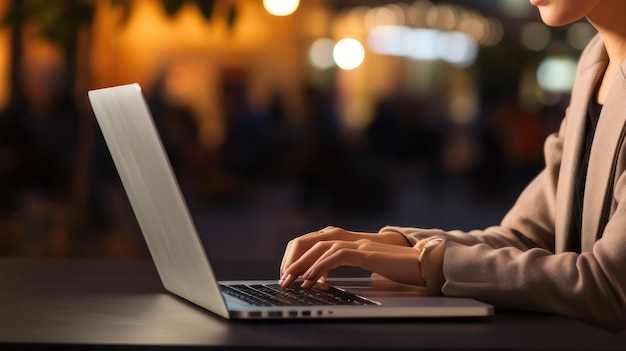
(182, 262)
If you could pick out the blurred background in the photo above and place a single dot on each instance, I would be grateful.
(280, 117)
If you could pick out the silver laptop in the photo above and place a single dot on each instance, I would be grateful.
(179, 254)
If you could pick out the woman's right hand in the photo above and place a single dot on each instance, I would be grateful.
(332, 247)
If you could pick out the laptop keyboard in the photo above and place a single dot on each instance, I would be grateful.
(274, 295)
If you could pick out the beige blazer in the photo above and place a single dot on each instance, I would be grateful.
(522, 263)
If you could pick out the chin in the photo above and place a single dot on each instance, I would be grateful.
(557, 22)
(555, 16)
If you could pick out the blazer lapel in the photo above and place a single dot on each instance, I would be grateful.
(590, 71)
(607, 141)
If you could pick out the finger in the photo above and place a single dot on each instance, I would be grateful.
(333, 259)
(296, 247)
(292, 271)
(318, 252)
(286, 280)
(322, 279)
(289, 279)
(287, 256)
(323, 250)
(400, 264)
(377, 276)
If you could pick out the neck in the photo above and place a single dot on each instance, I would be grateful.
(608, 19)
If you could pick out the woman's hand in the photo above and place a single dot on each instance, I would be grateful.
(313, 255)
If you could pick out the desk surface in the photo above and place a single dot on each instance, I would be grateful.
(83, 304)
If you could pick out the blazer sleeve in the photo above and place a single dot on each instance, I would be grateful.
(590, 286)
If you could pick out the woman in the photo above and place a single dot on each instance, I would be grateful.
(562, 247)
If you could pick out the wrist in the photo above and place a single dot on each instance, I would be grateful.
(393, 238)
(431, 254)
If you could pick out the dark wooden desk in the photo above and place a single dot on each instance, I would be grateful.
(89, 304)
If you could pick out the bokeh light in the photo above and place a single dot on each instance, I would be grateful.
(348, 54)
(516, 8)
(556, 74)
(535, 36)
(281, 7)
(423, 44)
(321, 53)
(579, 34)
(458, 49)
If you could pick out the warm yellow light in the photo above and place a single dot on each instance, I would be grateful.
(348, 54)
(281, 7)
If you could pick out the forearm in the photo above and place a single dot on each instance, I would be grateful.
(537, 280)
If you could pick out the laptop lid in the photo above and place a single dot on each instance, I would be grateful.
(175, 246)
(154, 194)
